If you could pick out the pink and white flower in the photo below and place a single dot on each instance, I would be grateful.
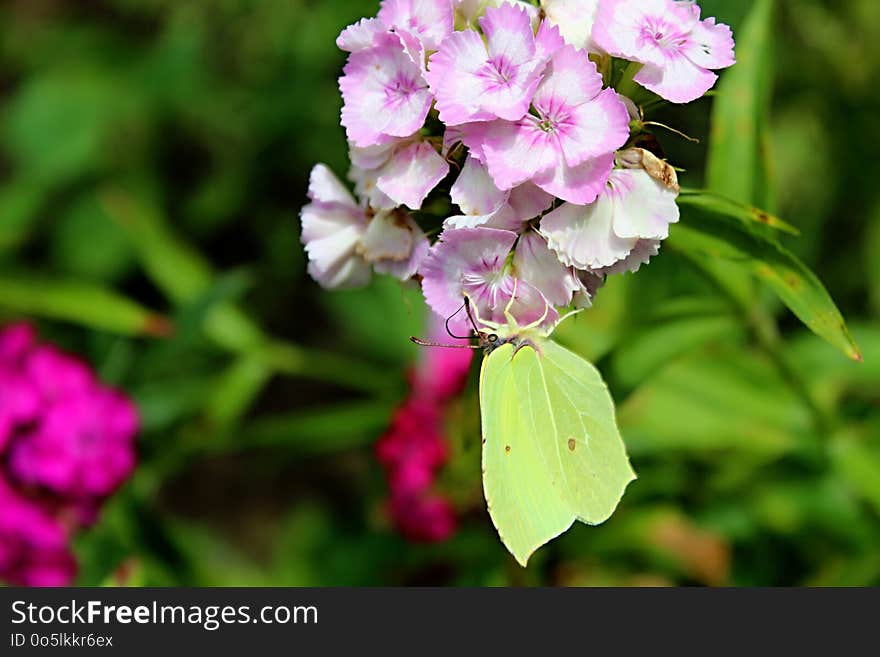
(394, 244)
(574, 18)
(384, 93)
(483, 204)
(473, 262)
(332, 227)
(475, 80)
(633, 207)
(678, 50)
(430, 21)
(401, 172)
(468, 12)
(536, 263)
(343, 239)
(567, 147)
(361, 35)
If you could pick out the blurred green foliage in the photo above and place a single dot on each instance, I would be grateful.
(153, 156)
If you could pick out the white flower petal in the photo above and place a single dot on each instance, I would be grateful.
(331, 234)
(582, 235)
(643, 208)
(475, 192)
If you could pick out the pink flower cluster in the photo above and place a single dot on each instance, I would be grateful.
(66, 443)
(490, 123)
(414, 447)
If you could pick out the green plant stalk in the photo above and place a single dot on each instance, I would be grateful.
(627, 86)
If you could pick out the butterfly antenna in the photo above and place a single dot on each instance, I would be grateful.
(451, 317)
(470, 314)
(426, 343)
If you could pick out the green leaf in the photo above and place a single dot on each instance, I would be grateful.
(343, 425)
(706, 234)
(747, 214)
(237, 388)
(19, 202)
(737, 164)
(105, 255)
(644, 353)
(858, 463)
(715, 399)
(61, 125)
(179, 271)
(91, 305)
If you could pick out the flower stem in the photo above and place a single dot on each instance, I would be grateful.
(627, 86)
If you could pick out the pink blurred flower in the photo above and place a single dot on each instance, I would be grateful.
(441, 372)
(678, 50)
(66, 443)
(82, 447)
(412, 451)
(34, 547)
(16, 340)
(477, 81)
(423, 518)
(19, 402)
(567, 148)
(414, 448)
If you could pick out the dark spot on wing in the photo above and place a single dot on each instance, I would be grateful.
(572, 443)
(507, 448)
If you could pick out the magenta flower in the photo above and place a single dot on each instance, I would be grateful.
(384, 93)
(34, 548)
(632, 207)
(82, 447)
(678, 50)
(567, 147)
(19, 402)
(66, 444)
(477, 81)
(412, 451)
(423, 518)
(473, 262)
(414, 448)
(441, 373)
(16, 341)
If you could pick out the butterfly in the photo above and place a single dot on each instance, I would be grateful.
(551, 450)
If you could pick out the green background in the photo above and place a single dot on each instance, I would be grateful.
(153, 158)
